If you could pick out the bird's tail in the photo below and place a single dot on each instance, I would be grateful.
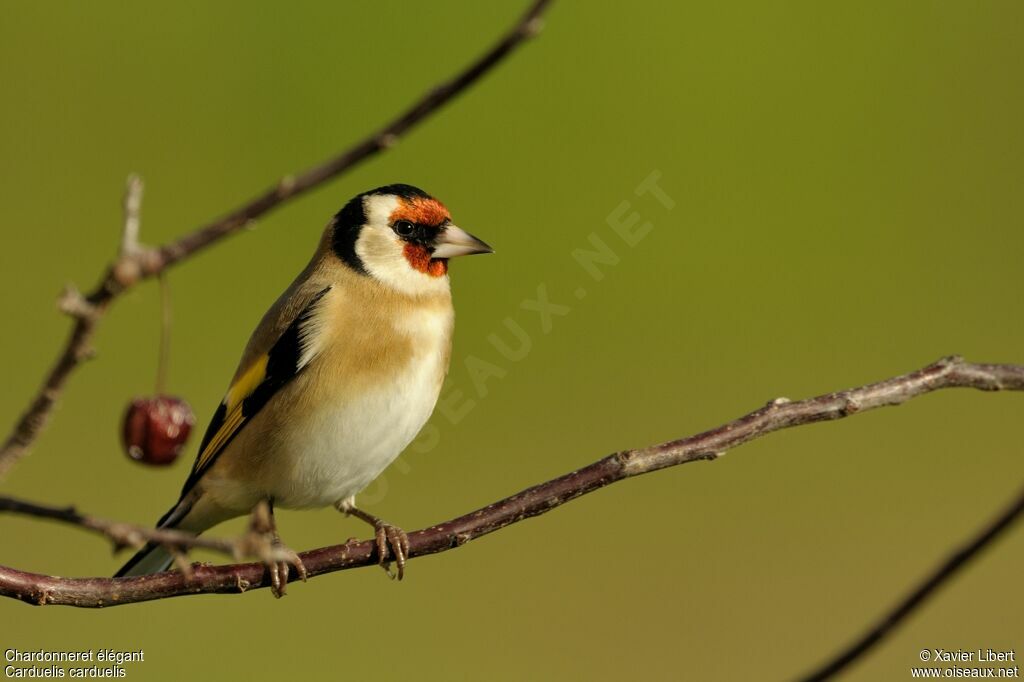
(150, 559)
(155, 558)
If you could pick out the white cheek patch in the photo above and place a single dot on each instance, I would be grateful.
(382, 252)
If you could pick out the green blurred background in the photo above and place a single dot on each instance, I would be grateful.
(847, 206)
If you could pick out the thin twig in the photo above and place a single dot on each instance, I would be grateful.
(252, 544)
(778, 414)
(941, 575)
(131, 268)
(121, 534)
(132, 207)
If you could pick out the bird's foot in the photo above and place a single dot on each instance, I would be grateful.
(387, 534)
(392, 541)
(281, 560)
(275, 555)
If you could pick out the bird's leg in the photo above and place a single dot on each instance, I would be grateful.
(385, 534)
(263, 521)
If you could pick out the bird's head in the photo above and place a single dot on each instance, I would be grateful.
(401, 236)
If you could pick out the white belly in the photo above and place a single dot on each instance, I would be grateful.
(340, 423)
(337, 449)
(337, 452)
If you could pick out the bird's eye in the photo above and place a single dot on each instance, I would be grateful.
(403, 228)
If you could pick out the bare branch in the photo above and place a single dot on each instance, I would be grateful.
(925, 589)
(135, 265)
(778, 414)
(132, 208)
(255, 543)
(72, 302)
(121, 534)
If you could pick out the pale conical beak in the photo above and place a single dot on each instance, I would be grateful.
(454, 241)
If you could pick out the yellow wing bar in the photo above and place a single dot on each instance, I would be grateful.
(239, 391)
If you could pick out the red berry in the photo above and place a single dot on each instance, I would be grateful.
(155, 429)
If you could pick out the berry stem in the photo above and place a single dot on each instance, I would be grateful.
(165, 335)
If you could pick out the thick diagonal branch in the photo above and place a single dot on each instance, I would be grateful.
(137, 263)
(778, 414)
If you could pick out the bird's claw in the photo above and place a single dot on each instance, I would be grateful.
(386, 535)
(283, 559)
(263, 541)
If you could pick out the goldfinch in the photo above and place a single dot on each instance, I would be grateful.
(340, 375)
